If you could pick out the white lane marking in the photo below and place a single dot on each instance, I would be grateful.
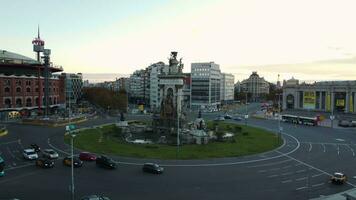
(316, 175)
(261, 171)
(55, 148)
(298, 164)
(319, 184)
(300, 179)
(288, 173)
(300, 171)
(272, 176)
(270, 164)
(310, 166)
(310, 147)
(301, 188)
(324, 149)
(341, 140)
(19, 177)
(352, 150)
(287, 181)
(18, 167)
(338, 150)
(288, 166)
(10, 142)
(274, 169)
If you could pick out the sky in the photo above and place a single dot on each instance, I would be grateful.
(305, 39)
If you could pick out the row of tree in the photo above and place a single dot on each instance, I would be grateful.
(106, 98)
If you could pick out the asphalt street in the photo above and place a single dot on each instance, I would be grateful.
(300, 169)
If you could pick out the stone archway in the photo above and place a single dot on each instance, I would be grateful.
(290, 101)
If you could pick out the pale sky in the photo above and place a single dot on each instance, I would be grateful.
(307, 39)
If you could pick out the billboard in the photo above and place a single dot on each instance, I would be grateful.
(309, 100)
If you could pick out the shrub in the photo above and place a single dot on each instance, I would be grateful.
(151, 147)
(244, 133)
(238, 129)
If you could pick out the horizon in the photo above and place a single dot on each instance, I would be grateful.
(240, 36)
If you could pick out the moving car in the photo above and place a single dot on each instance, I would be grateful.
(50, 153)
(220, 118)
(76, 162)
(44, 163)
(106, 162)
(29, 154)
(227, 116)
(35, 147)
(152, 168)
(237, 118)
(338, 178)
(95, 197)
(87, 156)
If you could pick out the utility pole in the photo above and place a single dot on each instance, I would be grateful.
(178, 142)
(246, 114)
(72, 135)
(279, 117)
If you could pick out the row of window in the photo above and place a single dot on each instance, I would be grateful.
(27, 103)
(7, 82)
(28, 89)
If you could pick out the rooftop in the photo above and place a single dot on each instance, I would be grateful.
(14, 58)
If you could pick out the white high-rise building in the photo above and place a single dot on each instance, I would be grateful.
(227, 88)
(205, 90)
(154, 71)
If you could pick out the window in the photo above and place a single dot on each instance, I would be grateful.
(18, 102)
(28, 90)
(18, 90)
(7, 90)
(28, 82)
(7, 103)
(28, 102)
(18, 82)
(7, 82)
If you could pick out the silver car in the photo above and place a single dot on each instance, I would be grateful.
(95, 197)
(50, 153)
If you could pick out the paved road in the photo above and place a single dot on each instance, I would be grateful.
(300, 169)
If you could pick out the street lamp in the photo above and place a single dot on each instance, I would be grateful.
(279, 117)
(69, 129)
(246, 114)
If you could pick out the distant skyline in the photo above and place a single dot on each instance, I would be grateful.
(310, 40)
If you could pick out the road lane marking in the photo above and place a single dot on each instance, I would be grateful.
(310, 166)
(287, 181)
(270, 164)
(310, 147)
(55, 148)
(341, 140)
(288, 173)
(300, 179)
(300, 171)
(319, 184)
(10, 142)
(316, 175)
(274, 169)
(261, 171)
(288, 166)
(301, 188)
(352, 150)
(324, 149)
(338, 150)
(272, 176)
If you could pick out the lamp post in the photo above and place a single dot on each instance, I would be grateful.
(178, 142)
(279, 117)
(246, 113)
(72, 165)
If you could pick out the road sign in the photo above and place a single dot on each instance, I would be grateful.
(70, 127)
(332, 117)
(246, 116)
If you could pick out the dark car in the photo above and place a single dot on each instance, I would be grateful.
(95, 197)
(152, 168)
(76, 161)
(44, 163)
(227, 116)
(87, 156)
(105, 162)
(35, 147)
(237, 118)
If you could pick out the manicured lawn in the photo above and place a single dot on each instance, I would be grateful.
(108, 140)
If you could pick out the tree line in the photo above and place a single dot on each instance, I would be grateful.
(106, 98)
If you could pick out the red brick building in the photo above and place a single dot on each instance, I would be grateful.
(22, 85)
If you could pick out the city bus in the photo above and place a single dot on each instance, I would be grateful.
(311, 121)
(2, 166)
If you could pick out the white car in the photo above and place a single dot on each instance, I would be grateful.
(50, 153)
(30, 154)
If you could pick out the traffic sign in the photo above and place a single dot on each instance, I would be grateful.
(332, 117)
(246, 116)
(70, 127)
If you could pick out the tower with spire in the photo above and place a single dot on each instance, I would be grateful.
(279, 83)
(38, 45)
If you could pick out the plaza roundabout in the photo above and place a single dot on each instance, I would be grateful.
(299, 169)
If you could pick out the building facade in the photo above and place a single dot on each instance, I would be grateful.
(256, 86)
(73, 84)
(227, 88)
(205, 88)
(329, 96)
(22, 85)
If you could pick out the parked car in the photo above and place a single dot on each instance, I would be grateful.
(35, 147)
(76, 161)
(105, 162)
(44, 163)
(152, 168)
(30, 154)
(87, 156)
(95, 197)
(50, 153)
(338, 178)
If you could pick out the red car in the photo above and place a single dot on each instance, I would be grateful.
(87, 156)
